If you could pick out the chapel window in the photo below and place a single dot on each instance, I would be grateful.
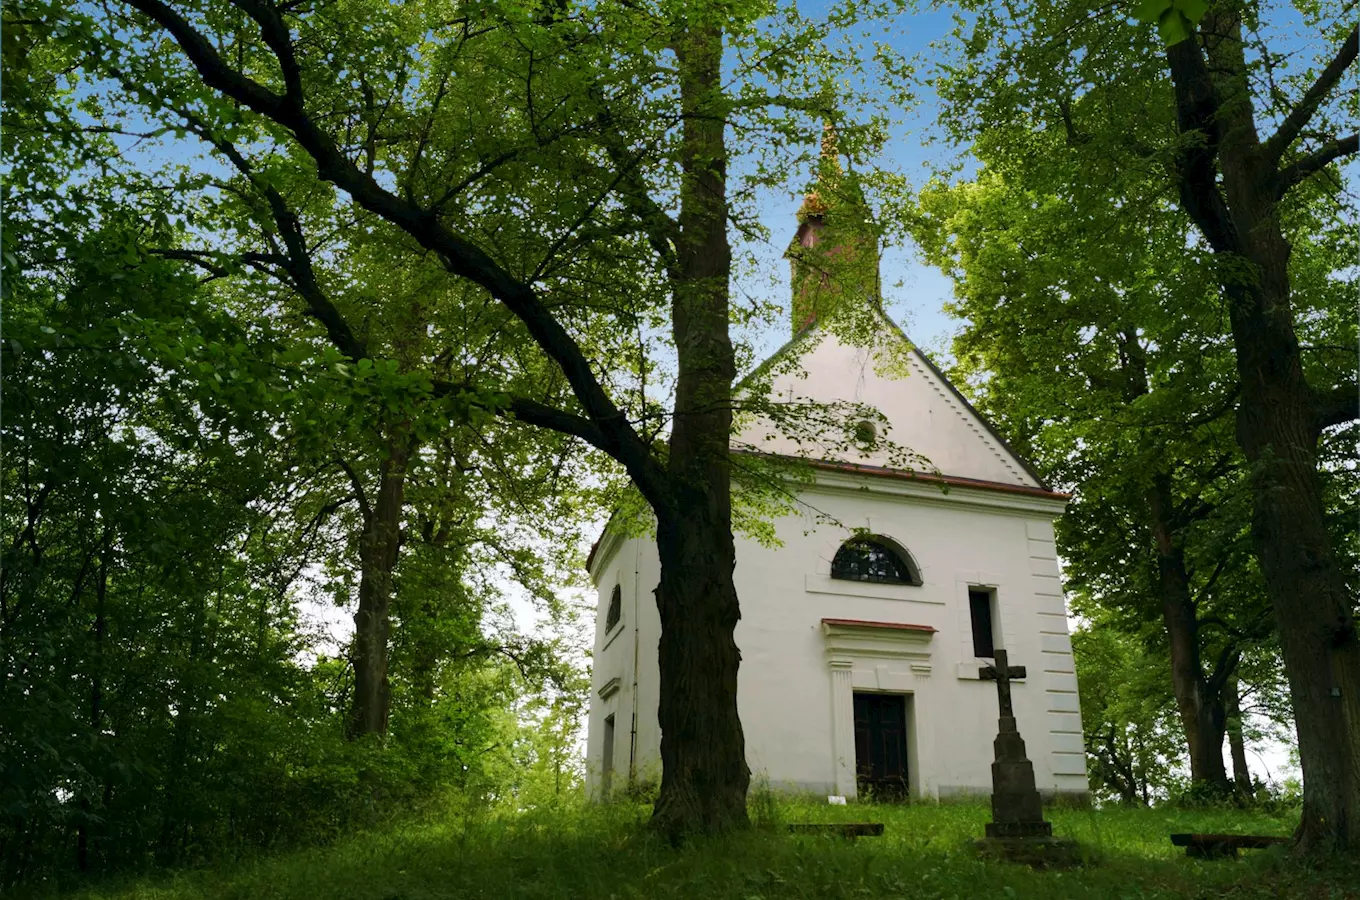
(873, 559)
(980, 610)
(615, 609)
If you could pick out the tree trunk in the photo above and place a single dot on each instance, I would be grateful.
(1119, 774)
(1303, 577)
(378, 550)
(1198, 699)
(704, 776)
(96, 697)
(1241, 773)
(1277, 423)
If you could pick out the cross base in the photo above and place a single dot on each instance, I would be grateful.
(1039, 852)
(1019, 829)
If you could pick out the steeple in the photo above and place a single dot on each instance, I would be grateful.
(834, 255)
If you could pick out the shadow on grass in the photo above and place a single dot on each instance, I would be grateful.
(607, 852)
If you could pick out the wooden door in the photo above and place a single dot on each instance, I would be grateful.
(881, 746)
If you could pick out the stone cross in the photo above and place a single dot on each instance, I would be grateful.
(1002, 674)
(1017, 810)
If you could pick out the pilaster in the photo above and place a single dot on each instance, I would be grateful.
(843, 726)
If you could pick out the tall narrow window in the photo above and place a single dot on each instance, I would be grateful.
(980, 605)
(615, 609)
(607, 767)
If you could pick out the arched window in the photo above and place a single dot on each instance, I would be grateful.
(873, 559)
(615, 609)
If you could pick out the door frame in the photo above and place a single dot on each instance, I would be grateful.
(886, 658)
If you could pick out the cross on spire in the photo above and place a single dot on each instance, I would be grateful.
(1002, 673)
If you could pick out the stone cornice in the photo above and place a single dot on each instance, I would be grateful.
(944, 490)
(854, 638)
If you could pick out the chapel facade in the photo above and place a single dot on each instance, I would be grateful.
(864, 632)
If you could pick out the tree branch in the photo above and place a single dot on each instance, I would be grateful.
(359, 493)
(1228, 659)
(1337, 406)
(1312, 98)
(1197, 109)
(532, 412)
(1314, 162)
(280, 42)
(298, 261)
(662, 231)
(461, 257)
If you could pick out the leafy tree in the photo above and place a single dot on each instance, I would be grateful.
(571, 164)
(173, 503)
(1184, 125)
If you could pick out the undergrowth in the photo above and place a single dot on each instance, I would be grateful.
(606, 852)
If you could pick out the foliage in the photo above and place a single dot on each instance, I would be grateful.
(180, 496)
(1175, 19)
(1134, 751)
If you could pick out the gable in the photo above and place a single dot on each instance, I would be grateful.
(924, 412)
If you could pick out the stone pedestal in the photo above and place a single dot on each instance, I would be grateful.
(1017, 810)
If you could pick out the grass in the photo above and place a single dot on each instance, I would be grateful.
(606, 853)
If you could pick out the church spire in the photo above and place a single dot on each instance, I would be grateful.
(834, 255)
(829, 177)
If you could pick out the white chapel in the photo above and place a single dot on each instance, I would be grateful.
(862, 641)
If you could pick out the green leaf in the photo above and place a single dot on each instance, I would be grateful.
(1193, 10)
(1173, 27)
(1175, 19)
(1150, 12)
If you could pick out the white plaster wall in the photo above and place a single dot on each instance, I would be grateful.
(966, 537)
(923, 413)
(634, 566)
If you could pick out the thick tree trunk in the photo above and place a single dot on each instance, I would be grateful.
(1277, 423)
(1303, 577)
(378, 550)
(704, 776)
(1278, 432)
(1238, 746)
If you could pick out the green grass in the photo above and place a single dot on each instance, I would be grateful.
(607, 853)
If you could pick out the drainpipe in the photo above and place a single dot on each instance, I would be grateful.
(632, 738)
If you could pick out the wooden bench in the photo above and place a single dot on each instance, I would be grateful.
(1218, 846)
(848, 830)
